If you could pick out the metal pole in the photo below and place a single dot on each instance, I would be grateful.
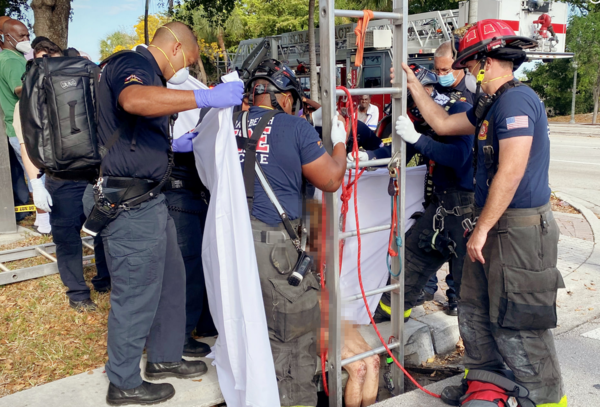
(8, 222)
(146, 37)
(399, 109)
(328, 99)
(575, 66)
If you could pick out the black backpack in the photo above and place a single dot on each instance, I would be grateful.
(59, 117)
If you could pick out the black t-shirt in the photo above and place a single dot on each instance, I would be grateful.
(147, 157)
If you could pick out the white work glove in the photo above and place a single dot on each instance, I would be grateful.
(317, 117)
(362, 156)
(406, 129)
(338, 132)
(41, 196)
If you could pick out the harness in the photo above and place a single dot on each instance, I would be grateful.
(489, 389)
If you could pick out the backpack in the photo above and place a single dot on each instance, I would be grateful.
(59, 116)
(490, 389)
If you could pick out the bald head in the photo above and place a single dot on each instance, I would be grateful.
(14, 32)
(174, 47)
(444, 50)
(3, 19)
(174, 32)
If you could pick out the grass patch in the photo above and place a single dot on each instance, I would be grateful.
(42, 339)
(561, 206)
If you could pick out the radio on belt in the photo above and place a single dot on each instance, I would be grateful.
(300, 269)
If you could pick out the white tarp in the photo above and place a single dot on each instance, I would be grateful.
(374, 209)
(242, 352)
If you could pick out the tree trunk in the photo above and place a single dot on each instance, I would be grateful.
(596, 96)
(202, 77)
(315, 92)
(221, 43)
(51, 19)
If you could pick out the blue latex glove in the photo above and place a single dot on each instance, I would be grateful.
(223, 95)
(184, 143)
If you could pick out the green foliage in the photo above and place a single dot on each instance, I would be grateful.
(14, 8)
(216, 11)
(115, 42)
(584, 40)
(414, 6)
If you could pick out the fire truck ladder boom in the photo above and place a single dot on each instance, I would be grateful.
(399, 22)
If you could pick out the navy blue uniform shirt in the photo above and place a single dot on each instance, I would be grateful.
(148, 159)
(518, 112)
(466, 94)
(287, 143)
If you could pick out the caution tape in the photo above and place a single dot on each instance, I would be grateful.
(25, 208)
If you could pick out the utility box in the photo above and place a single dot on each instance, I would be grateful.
(373, 39)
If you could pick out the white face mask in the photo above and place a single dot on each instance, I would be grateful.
(180, 76)
(23, 47)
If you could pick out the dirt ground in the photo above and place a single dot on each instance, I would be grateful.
(579, 118)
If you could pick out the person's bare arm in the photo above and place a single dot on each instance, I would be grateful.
(154, 101)
(512, 160)
(18, 91)
(327, 172)
(435, 115)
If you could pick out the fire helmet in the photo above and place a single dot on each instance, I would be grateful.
(281, 78)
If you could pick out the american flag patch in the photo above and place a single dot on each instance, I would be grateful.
(517, 122)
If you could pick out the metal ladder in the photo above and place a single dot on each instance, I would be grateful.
(399, 18)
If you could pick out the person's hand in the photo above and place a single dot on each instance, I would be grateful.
(338, 133)
(362, 156)
(406, 129)
(224, 95)
(184, 144)
(41, 197)
(475, 245)
(317, 117)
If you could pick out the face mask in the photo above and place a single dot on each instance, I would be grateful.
(180, 76)
(447, 80)
(23, 47)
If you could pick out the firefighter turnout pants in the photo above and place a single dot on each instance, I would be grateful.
(293, 315)
(508, 304)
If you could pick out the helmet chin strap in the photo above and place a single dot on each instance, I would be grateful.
(480, 76)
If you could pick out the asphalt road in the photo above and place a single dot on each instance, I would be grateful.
(575, 162)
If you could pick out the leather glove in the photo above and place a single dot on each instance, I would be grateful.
(184, 144)
(317, 117)
(406, 129)
(223, 95)
(41, 197)
(338, 132)
(362, 156)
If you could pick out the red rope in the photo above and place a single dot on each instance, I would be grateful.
(349, 189)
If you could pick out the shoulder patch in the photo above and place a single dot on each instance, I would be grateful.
(483, 132)
(133, 78)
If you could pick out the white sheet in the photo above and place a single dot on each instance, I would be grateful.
(374, 209)
(242, 352)
(187, 121)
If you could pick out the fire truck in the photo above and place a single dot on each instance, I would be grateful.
(543, 20)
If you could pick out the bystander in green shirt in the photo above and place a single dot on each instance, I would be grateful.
(12, 67)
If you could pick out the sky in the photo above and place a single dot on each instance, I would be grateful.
(94, 20)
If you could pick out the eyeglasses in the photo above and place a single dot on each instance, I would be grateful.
(443, 71)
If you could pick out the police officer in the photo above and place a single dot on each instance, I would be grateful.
(451, 80)
(145, 263)
(437, 235)
(508, 294)
(288, 149)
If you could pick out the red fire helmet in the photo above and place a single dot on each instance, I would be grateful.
(486, 36)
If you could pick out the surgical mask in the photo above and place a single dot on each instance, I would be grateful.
(446, 80)
(23, 47)
(179, 77)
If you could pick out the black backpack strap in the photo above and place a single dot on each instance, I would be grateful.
(249, 144)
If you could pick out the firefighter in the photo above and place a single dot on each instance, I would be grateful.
(437, 236)
(453, 81)
(509, 286)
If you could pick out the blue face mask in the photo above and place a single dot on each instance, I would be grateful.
(446, 80)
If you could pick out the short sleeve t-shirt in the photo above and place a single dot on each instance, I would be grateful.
(147, 158)
(12, 67)
(287, 143)
(518, 112)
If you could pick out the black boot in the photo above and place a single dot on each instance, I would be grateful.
(380, 315)
(181, 370)
(146, 393)
(424, 296)
(195, 349)
(452, 309)
(85, 305)
(451, 395)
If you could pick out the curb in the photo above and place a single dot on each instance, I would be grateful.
(591, 219)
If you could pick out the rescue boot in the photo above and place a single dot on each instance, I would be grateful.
(195, 349)
(452, 309)
(82, 306)
(424, 296)
(145, 393)
(451, 395)
(380, 315)
(185, 369)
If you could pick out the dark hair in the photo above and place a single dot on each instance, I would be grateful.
(48, 46)
(71, 52)
(39, 39)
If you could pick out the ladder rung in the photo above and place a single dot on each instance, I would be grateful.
(86, 244)
(365, 231)
(360, 14)
(372, 352)
(4, 268)
(372, 292)
(371, 163)
(369, 91)
(45, 254)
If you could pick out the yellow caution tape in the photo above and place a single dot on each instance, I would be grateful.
(386, 141)
(25, 208)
